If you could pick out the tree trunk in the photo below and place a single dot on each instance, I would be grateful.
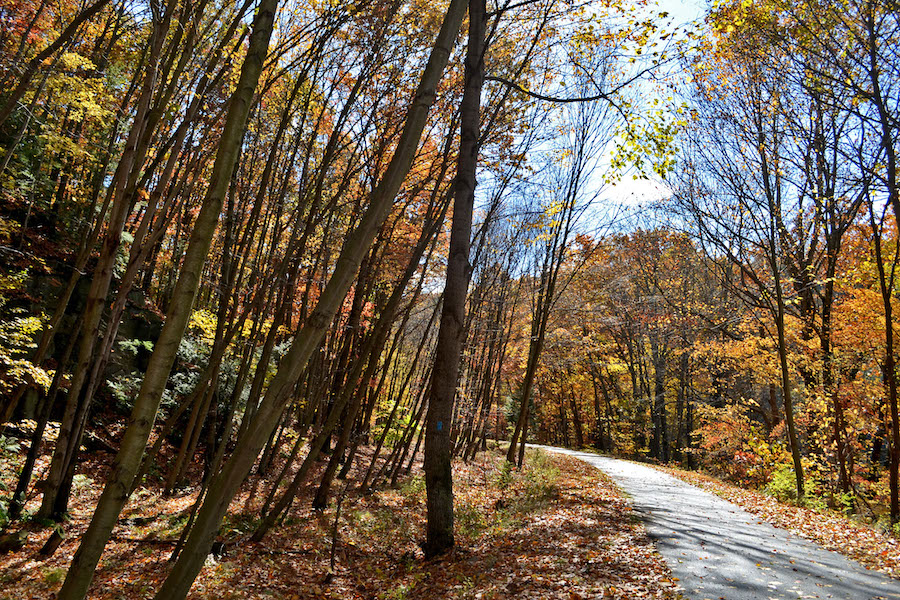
(660, 422)
(535, 346)
(786, 386)
(226, 483)
(576, 420)
(886, 283)
(146, 405)
(444, 379)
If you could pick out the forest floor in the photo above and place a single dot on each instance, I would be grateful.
(556, 529)
(832, 530)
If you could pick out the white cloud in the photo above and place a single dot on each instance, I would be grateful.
(637, 192)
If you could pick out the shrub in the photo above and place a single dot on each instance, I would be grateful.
(541, 479)
(735, 449)
(506, 475)
(470, 520)
(783, 484)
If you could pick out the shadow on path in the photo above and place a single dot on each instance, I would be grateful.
(718, 550)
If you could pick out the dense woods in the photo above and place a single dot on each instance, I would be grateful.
(293, 245)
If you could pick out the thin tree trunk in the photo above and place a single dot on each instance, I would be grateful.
(886, 283)
(226, 483)
(444, 379)
(535, 346)
(786, 387)
(660, 425)
(146, 405)
(576, 420)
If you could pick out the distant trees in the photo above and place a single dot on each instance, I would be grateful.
(724, 323)
(780, 99)
(567, 190)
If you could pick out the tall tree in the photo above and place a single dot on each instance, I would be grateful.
(445, 376)
(146, 405)
(226, 482)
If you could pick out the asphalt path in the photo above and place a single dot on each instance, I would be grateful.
(718, 550)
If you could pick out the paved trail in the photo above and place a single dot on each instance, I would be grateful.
(718, 550)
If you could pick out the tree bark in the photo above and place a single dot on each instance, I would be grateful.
(146, 405)
(78, 401)
(226, 483)
(886, 283)
(445, 376)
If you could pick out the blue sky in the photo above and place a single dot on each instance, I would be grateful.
(633, 192)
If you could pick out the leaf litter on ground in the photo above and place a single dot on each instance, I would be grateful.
(557, 529)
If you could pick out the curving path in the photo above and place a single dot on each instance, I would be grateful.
(718, 550)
